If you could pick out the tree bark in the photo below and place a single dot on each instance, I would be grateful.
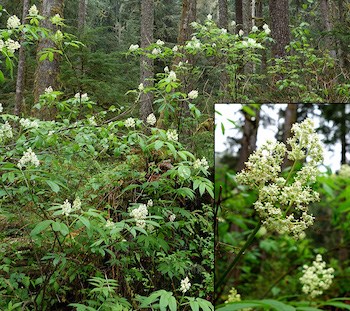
(223, 14)
(343, 132)
(47, 72)
(239, 15)
(248, 142)
(188, 15)
(21, 67)
(289, 119)
(326, 10)
(146, 64)
(82, 15)
(279, 19)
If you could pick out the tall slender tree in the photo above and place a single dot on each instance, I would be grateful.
(82, 14)
(223, 14)
(47, 71)
(279, 25)
(188, 15)
(21, 67)
(146, 64)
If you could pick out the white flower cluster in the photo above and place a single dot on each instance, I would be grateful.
(267, 29)
(172, 76)
(49, 90)
(185, 285)
(316, 278)
(140, 214)
(109, 224)
(11, 45)
(28, 157)
(5, 130)
(283, 206)
(193, 94)
(56, 19)
(26, 123)
(33, 11)
(156, 51)
(130, 122)
(160, 42)
(141, 87)
(172, 135)
(1, 108)
(172, 217)
(255, 29)
(151, 119)
(133, 47)
(67, 207)
(13, 22)
(201, 164)
(233, 296)
(194, 43)
(83, 97)
(344, 171)
(250, 42)
(58, 36)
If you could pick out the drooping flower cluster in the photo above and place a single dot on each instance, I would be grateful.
(48, 90)
(5, 130)
(266, 29)
(133, 47)
(185, 285)
(12, 46)
(82, 97)
(130, 122)
(316, 278)
(172, 135)
(13, 22)
(26, 123)
(29, 157)
(283, 205)
(203, 163)
(151, 119)
(68, 208)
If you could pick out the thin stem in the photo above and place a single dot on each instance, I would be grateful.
(239, 255)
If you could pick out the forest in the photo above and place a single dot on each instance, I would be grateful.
(111, 194)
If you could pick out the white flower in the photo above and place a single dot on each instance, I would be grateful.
(33, 11)
(172, 135)
(201, 164)
(56, 19)
(49, 90)
(130, 122)
(233, 296)
(194, 43)
(26, 123)
(316, 278)
(92, 121)
(133, 47)
(150, 203)
(151, 119)
(140, 214)
(209, 17)
(66, 208)
(255, 29)
(156, 51)
(175, 48)
(2, 44)
(58, 37)
(233, 24)
(12, 45)
(185, 285)
(172, 217)
(13, 22)
(28, 157)
(266, 29)
(241, 32)
(5, 131)
(1, 108)
(166, 69)
(193, 94)
(109, 224)
(160, 42)
(172, 76)
(141, 87)
(50, 133)
(223, 30)
(83, 97)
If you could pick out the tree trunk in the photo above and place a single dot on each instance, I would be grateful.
(223, 14)
(188, 15)
(82, 15)
(248, 142)
(239, 15)
(289, 119)
(21, 67)
(326, 13)
(279, 19)
(343, 132)
(46, 71)
(247, 16)
(146, 64)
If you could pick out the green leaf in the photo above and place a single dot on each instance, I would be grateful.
(340, 305)
(41, 226)
(2, 78)
(54, 187)
(85, 221)
(248, 110)
(158, 144)
(184, 172)
(172, 303)
(194, 305)
(308, 309)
